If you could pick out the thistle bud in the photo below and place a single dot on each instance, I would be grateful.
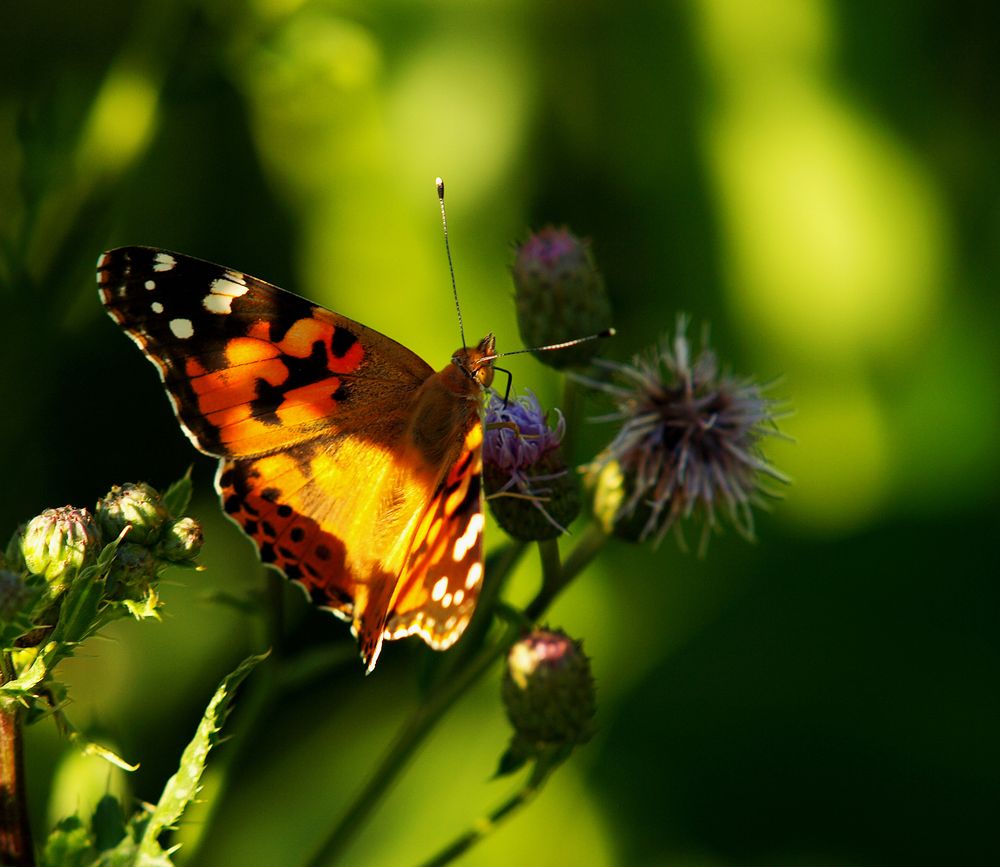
(58, 543)
(531, 492)
(182, 540)
(132, 505)
(131, 571)
(559, 295)
(548, 692)
(16, 596)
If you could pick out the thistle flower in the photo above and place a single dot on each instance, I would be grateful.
(548, 693)
(532, 494)
(689, 443)
(559, 294)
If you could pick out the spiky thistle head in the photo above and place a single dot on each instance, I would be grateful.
(689, 443)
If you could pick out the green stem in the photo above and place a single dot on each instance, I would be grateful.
(487, 824)
(15, 832)
(570, 411)
(587, 548)
(548, 550)
(416, 729)
(440, 700)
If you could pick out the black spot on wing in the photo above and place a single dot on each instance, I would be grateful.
(342, 342)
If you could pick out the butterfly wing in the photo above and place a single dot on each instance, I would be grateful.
(437, 592)
(250, 368)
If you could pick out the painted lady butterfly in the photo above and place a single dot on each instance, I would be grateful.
(354, 467)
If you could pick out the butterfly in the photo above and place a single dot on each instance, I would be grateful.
(352, 464)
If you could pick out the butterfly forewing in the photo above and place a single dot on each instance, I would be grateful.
(250, 368)
(350, 463)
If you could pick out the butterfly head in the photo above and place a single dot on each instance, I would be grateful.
(477, 362)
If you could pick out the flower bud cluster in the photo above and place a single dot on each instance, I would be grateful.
(61, 547)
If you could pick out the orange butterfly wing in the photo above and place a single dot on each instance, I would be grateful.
(348, 461)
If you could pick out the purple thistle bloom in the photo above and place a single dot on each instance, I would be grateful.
(690, 439)
(520, 450)
(517, 448)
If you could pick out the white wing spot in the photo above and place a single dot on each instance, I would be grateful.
(236, 277)
(459, 596)
(218, 303)
(182, 328)
(464, 542)
(439, 589)
(227, 286)
(150, 284)
(446, 601)
(475, 575)
(156, 307)
(164, 262)
(223, 290)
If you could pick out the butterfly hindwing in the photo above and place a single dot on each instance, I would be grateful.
(437, 592)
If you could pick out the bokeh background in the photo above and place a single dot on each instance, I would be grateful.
(817, 180)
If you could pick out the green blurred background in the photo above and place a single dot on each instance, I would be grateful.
(818, 180)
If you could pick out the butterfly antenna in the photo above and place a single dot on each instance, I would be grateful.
(451, 267)
(607, 332)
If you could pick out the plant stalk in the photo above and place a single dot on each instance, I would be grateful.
(16, 849)
(487, 824)
(416, 729)
(448, 691)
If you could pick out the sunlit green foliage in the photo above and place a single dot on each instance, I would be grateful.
(815, 179)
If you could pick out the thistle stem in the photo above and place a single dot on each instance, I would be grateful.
(548, 549)
(589, 546)
(487, 824)
(15, 833)
(416, 729)
(446, 692)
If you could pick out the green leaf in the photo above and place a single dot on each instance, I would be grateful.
(183, 786)
(87, 746)
(108, 823)
(178, 496)
(69, 845)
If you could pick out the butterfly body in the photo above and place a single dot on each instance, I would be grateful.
(350, 462)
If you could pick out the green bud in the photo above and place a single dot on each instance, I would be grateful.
(548, 692)
(559, 295)
(58, 543)
(131, 571)
(16, 596)
(132, 505)
(543, 514)
(182, 540)
(611, 489)
(12, 556)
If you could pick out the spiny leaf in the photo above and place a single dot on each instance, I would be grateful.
(178, 496)
(183, 786)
